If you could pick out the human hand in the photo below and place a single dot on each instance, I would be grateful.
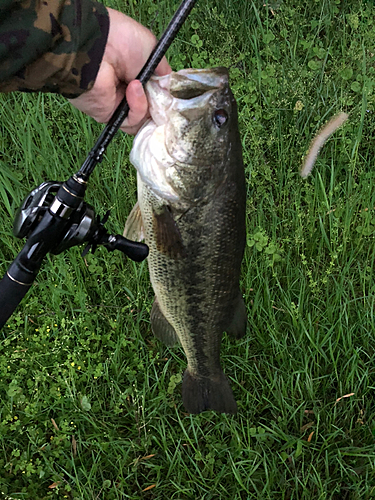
(129, 45)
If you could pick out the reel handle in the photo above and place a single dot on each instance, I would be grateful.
(132, 249)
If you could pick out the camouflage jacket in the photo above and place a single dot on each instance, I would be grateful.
(51, 45)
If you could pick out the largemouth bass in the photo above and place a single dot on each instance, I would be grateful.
(191, 213)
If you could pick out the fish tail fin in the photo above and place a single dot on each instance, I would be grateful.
(203, 393)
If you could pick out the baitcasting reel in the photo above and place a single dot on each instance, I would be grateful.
(84, 225)
(53, 218)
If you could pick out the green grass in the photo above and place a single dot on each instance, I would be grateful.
(79, 349)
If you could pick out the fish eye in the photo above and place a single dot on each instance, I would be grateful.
(220, 117)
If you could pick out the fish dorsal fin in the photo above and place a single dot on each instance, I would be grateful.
(167, 234)
(134, 225)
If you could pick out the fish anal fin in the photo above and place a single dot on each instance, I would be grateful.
(161, 327)
(167, 235)
(134, 225)
(204, 393)
(238, 325)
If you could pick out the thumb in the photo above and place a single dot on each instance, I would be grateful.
(138, 107)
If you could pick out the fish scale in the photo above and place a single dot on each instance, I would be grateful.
(194, 225)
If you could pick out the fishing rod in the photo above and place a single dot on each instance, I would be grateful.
(55, 217)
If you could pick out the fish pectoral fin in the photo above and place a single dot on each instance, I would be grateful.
(204, 393)
(167, 234)
(134, 225)
(161, 327)
(238, 326)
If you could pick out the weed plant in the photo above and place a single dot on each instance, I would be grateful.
(90, 401)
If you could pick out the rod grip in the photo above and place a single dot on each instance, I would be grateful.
(11, 294)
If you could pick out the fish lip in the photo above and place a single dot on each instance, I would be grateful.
(215, 77)
(158, 90)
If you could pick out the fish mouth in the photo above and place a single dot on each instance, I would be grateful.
(186, 88)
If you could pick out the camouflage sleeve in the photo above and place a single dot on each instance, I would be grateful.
(51, 45)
